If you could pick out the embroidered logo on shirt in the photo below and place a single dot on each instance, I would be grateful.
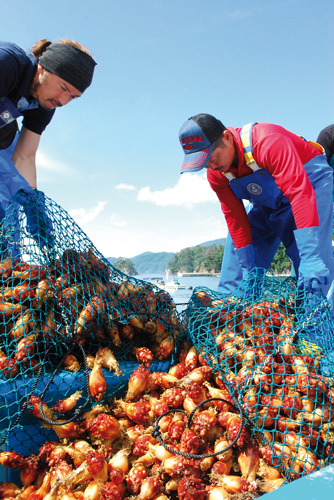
(253, 188)
(6, 117)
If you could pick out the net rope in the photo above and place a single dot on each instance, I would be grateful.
(60, 299)
(270, 345)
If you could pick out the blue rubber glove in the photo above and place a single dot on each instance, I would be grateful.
(312, 271)
(11, 234)
(9, 223)
(251, 285)
(246, 259)
(11, 181)
(39, 223)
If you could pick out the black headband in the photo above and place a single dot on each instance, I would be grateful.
(69, 63)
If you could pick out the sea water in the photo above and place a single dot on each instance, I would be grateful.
(181, 297)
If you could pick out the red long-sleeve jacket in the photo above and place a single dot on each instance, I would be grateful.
(283, 154)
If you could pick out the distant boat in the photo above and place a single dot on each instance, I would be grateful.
(173, 284)
(158, 282)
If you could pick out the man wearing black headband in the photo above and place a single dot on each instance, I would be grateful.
(32, 86)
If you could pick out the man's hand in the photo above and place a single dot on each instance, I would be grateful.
(252, 276)
(39, 224)
(312, 273)
(24, 155)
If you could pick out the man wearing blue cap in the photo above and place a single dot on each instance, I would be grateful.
(32, 86)
(289, 184)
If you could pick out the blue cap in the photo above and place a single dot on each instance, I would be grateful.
(197, 137)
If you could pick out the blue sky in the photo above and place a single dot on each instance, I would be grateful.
(112, 158)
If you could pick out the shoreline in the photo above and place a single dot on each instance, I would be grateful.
(195, 275)
(217, 275)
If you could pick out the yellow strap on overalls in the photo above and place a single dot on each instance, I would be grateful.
(246, 139)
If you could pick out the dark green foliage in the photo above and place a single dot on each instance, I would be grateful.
(197, 259)
(157, 263)
(280, 264)
(201, 258)
(208, 259)
(126, 266)
(149, 262)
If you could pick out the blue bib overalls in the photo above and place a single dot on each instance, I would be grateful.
(271, 218)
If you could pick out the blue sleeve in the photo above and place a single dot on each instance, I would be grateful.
(14, 64)
(13, 61)
(37, 119)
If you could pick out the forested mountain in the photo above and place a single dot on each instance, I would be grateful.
(220, 241)
(112, 260)
(202, 258)
(155, 263)
(197, 259)
(126, 266)
(148, 262)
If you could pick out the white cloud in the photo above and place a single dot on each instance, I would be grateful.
(44, 162)
(83, 215)
(217, 227)
(114, 239)
(190, 190)
(116, 220)
(127, 187)
(326, 473)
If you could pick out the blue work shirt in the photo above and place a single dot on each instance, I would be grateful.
(17, 70)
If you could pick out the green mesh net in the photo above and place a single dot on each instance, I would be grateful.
(272, 349)
(62, 303)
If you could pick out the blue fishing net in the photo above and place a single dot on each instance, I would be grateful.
(61, 302)
(271, 346)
